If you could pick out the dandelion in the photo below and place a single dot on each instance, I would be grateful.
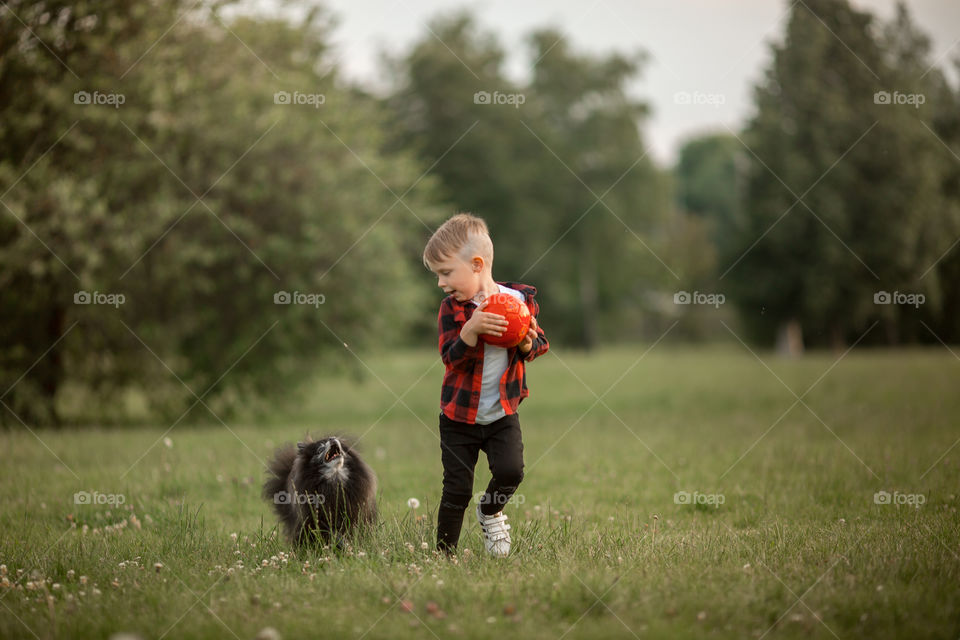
(413, 503)
(424, 545)
(168, 442)
(267, 633)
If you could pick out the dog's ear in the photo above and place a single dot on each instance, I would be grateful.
(301, 446)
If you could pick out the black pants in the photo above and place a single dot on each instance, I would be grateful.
(460, 446)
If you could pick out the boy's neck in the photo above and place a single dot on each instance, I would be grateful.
(487, 288)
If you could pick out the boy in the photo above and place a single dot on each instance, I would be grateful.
(482, 385)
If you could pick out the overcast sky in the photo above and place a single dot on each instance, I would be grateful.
(715, 48)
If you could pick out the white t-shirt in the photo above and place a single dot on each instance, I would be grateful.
(495, 363)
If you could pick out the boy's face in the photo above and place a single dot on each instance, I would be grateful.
(459, 277)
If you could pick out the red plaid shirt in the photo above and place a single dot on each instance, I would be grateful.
(463, 378)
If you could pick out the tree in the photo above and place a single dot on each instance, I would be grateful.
(843, 196)
(709, 175)
(534, 163)
(201, 196)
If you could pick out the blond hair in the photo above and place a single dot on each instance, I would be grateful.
(464, 235)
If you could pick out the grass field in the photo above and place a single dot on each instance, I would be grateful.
(781, 537)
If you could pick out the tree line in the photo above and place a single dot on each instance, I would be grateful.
(198, 212)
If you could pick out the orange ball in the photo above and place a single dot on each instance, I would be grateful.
(517, 315)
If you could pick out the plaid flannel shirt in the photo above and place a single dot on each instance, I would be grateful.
(463, 379)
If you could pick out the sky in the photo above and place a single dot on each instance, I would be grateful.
(704, 55)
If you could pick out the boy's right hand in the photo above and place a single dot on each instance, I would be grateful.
(482, 322)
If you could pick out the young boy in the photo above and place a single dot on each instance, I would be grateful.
(482, 385)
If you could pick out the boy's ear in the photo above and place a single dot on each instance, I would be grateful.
(477, 264)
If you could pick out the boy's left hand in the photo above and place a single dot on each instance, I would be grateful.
(527, 343)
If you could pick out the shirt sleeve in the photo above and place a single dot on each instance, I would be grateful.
(540, 344)
(454, 352)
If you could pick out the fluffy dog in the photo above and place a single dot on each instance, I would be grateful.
(321, 490)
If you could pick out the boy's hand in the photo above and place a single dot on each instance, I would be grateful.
(482, 322)
(527, 343)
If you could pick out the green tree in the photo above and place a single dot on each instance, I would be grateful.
(603, 194)
(843, 197)
(534, 164)
(946, 124)
(199, 198)
(709, 176)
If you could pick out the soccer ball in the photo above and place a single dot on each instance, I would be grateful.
(517, 315)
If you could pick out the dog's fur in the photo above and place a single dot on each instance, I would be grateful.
(321, 490)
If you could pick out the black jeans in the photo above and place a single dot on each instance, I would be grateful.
(460, 446)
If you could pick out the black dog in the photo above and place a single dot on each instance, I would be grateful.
(321, 490)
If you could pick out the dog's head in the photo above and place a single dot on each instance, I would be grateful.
(328, 455)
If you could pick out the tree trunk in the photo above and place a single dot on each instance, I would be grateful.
(837, 341)
(790, 339)
(588, 292)
(50, 369)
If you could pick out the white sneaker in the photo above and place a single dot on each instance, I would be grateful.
(496, 533)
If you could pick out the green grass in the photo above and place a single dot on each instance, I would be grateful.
(798, 548)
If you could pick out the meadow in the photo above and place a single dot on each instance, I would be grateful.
(670, 491)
